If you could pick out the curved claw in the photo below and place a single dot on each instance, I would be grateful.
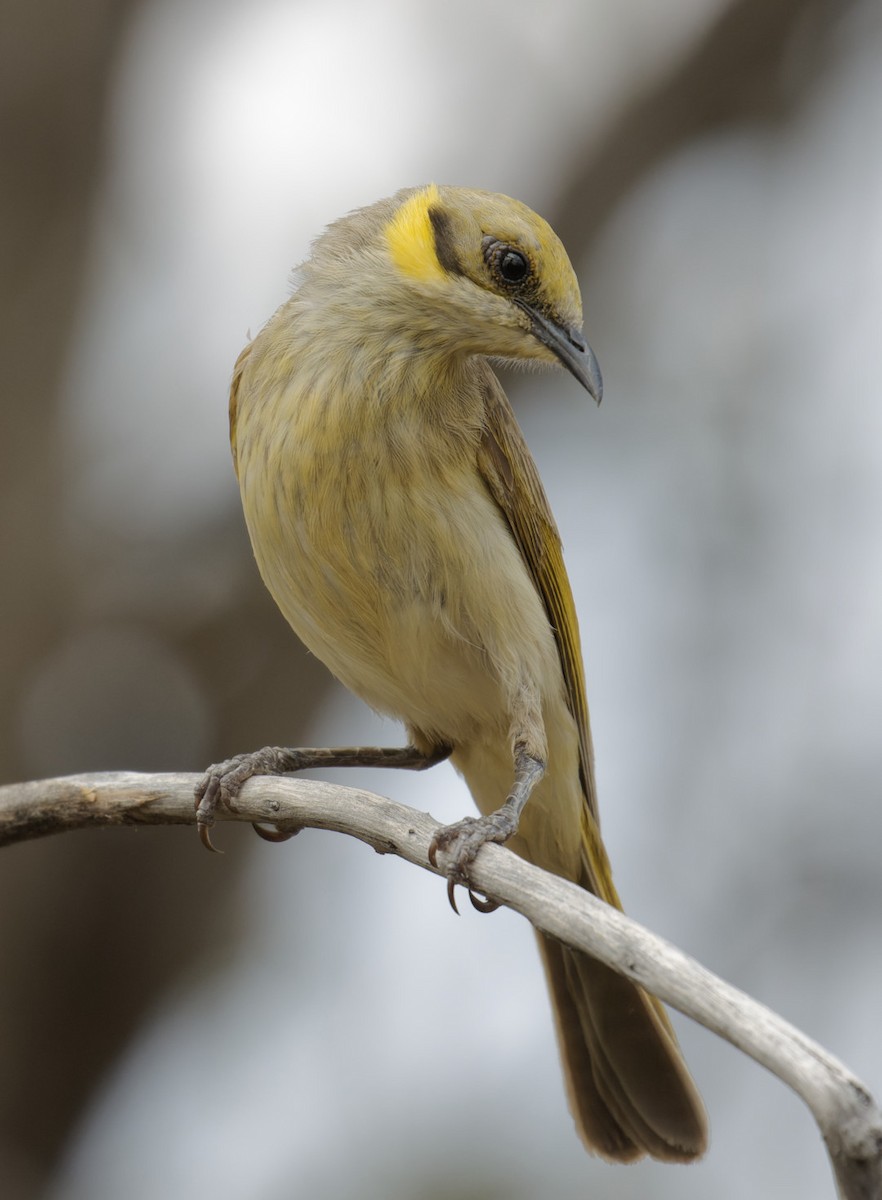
(205, 837)
(273, 835)
(482, 904)
(451, 887)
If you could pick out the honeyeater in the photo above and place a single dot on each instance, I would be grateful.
(400, 523)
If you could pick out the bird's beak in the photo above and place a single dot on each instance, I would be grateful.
(570, 347)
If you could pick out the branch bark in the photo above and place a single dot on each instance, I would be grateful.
(846, 1114)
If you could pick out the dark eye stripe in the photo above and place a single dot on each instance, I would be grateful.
(442, 231)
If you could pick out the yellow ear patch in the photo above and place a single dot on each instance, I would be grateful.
(411, 237)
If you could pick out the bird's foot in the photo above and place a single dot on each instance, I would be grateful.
(222, 782)
(460, 844)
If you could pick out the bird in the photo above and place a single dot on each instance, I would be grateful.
(399, 521)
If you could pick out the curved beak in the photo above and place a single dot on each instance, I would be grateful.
(570, 347)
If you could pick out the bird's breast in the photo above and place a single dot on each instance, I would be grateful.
(377, 537)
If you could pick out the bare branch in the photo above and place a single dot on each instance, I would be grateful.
(846, 1113)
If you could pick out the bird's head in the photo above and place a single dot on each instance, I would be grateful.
(483, 274)
(450, 272)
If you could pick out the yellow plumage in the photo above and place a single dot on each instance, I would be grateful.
(399, 521)
(412, 240)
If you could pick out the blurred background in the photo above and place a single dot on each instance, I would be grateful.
(311, 1019)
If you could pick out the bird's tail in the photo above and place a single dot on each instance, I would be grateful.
(629, 1089)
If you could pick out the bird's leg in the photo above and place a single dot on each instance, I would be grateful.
(461, 841)
(222, 782)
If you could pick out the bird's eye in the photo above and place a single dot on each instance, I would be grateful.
(507, 264)
(512, 266)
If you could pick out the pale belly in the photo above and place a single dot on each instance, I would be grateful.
(419, 601)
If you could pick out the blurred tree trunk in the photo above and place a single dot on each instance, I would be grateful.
(63, 999)
(754, 64)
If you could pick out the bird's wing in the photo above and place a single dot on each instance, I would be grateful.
(508, 468)
(511, 475)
